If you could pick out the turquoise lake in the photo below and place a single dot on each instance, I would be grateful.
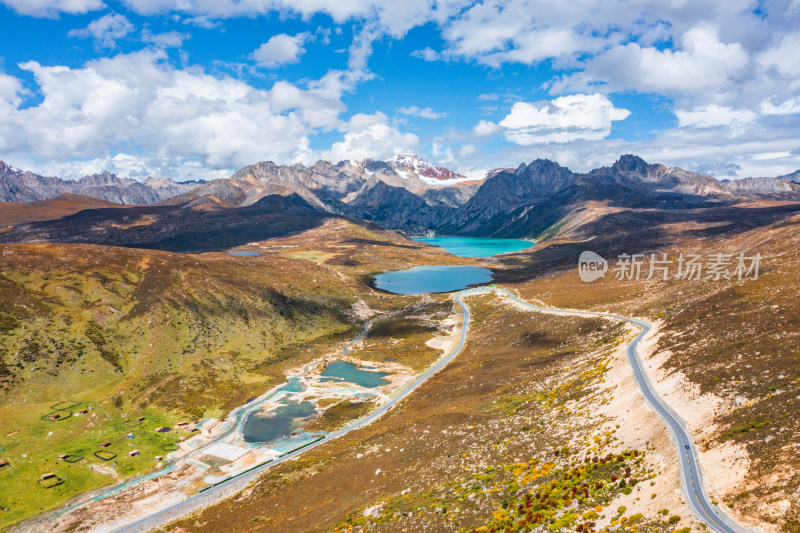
(347, 371)
(429, 279)
(476, 246)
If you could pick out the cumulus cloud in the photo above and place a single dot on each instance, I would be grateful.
(10, 90)
(52, 8)
(564, 119)
(424, 112)
(783, 57)
(173, 116)
(370, 136)
(702, 62)
(395, 18)
(280, 49)
(484, 128)
(106, 30)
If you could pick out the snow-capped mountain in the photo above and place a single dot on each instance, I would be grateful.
(412, 165)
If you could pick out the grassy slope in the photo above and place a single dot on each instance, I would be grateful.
(169, 337)
(735, 340)
(465, 449)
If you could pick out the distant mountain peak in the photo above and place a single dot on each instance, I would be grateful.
(429, 173)
(8, 169)
(630, 163)
(495, 171)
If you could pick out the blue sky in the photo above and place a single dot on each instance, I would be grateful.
(200, 88)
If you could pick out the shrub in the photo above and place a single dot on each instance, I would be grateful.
(674, 519)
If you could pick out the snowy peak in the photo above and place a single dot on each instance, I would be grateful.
(405, 164)
(495, 171)
(8, 169)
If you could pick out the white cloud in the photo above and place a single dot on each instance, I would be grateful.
(484, 128)
(787, 107)
(703, 62)
(425, 112)
(564, 119)
(784, 57)
(106, 30)
(467, 150)
(51, 8)
(395, 18)
(715, 115)
(169, 39)
(427, 53)
(280, 49)
(175, 117)
(313, 108)
(10, 90)
(370, 136)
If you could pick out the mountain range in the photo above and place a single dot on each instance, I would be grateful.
(534, 200)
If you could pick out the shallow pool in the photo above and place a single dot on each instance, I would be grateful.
(351, 372)
(246, 253)
(281, 422)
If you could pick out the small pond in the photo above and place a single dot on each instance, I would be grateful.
(245, 252)
(288, 417)
(351, 372)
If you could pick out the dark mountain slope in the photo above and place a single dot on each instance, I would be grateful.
(199, 225)
(397, 208)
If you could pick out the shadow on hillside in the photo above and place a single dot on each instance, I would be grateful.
(188, 228)
(635, 232)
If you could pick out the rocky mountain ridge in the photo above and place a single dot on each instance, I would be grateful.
(24, 186)
(408, 194)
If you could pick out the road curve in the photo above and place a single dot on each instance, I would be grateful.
(694, 490)
(691, 475)
(236, 484)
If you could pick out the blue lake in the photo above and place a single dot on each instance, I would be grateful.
(347, 371)
(281, 422)
(476, 246)
(428, 279)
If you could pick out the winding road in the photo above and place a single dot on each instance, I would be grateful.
(691, 475)
(694, 490)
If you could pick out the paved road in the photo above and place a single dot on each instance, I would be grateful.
(236, 484)
(691, 476)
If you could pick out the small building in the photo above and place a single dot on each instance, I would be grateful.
(49, 475)
(159, 458)
(105, 444)
(129, 436)
(4, 463)
(181, 424)
(63, 456)
(141, 419)
(84, 411)
(133, 453)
